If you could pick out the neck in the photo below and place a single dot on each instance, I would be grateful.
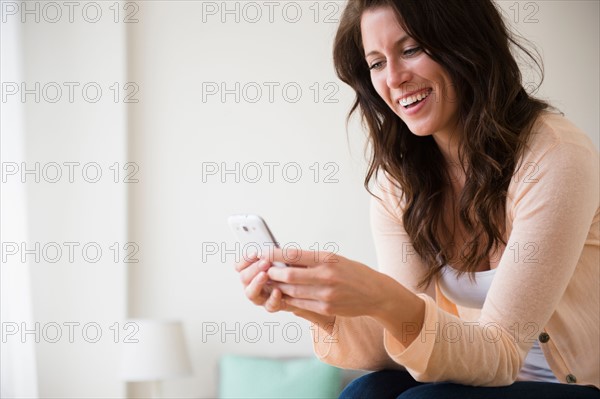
(448, 143)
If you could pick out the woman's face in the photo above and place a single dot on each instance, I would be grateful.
(414, 86)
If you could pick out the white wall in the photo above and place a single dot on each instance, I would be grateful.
(174, 51)
(566, 32)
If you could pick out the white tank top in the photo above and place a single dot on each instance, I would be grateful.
(464, 292)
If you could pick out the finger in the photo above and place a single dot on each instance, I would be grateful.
(254, 290)
(308, 304)
(275, 301)
(247, 274)
(296, 275)
(246, 261)
(301, 257)
(299, 291)
(287, 307)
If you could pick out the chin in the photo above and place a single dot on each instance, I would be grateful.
(419, 131)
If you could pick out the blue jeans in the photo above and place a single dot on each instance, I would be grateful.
(396, 384)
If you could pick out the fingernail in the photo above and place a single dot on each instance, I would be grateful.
(263, 264)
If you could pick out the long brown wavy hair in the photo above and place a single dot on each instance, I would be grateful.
(470, 40)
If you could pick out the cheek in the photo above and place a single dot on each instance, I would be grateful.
(449, 101)
(381, 88)
(449, 92)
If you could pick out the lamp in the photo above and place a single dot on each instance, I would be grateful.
(159, 353)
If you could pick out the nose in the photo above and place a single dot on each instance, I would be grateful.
(397, 74)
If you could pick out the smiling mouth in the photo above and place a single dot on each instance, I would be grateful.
(415, 99)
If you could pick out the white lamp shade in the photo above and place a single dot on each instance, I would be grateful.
(160, 352)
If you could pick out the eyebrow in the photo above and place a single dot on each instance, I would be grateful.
(398, 43)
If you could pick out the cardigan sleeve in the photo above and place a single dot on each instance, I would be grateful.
(553, 205)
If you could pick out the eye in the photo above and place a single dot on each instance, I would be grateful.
(411, 51)
(377, 65)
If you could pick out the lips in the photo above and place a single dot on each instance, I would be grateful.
(414, 98)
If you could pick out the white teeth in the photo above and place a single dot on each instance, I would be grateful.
(414, 98)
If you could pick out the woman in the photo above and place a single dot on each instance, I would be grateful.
(484, 199)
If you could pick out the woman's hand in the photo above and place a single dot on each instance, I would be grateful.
(253, 274)
(258, 288)
(329, 284)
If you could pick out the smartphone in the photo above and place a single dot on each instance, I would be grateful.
(254, 235)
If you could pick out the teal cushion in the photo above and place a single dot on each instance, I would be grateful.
(256, 377)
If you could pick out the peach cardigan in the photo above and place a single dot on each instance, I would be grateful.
(547, 283)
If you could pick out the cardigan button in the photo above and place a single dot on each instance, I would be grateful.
(571, 379)
(544, 337)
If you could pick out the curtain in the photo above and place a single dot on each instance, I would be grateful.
(18, 362)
